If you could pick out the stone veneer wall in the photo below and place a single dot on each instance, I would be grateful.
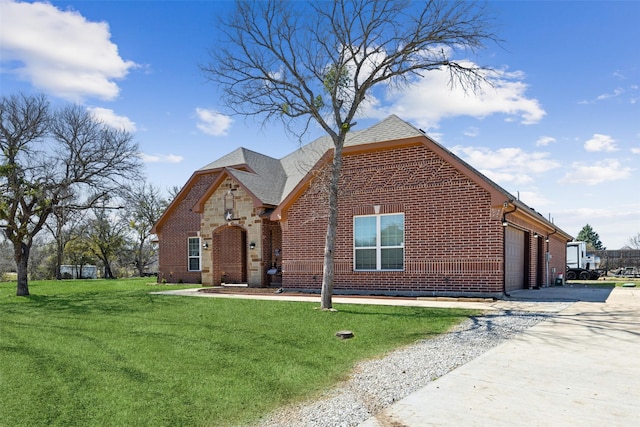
(247, 219)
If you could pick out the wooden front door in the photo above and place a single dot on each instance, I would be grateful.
(232, 255)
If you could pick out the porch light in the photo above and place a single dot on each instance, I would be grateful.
(252, 246)
(205, 246)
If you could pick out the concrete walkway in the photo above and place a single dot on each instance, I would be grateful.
(580, 368)
(525, 301)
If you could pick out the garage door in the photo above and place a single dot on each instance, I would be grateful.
(514, 259)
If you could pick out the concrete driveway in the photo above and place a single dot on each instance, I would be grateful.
(579, 368)
(570, 292)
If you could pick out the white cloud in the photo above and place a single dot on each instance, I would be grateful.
(160, 158)
(432, 98)
(600, 143)
(596, 173)
(60, 52)
(472, 132)
(614, 225)
(533, 198)
(510, 178)
(543, 141)
(213, 123)
(108, 117)
(616, 92)
(507, 165)
(635, 150)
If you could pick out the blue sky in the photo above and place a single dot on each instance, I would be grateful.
(561, 127)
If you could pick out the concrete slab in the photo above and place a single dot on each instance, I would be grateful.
(581, 367)
(568, 292)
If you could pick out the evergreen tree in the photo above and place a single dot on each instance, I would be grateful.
(587, 234)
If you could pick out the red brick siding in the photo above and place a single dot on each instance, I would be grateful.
(174, 232)
(452, 243)
(558, 261)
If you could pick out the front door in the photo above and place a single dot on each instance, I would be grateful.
(232, 255)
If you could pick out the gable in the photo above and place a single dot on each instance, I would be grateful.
(241, 178)
(278, 183)
(444, 166)
(376, 176)
(183, 202)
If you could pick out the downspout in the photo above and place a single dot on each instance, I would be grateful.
(546, 256)
(505, 224)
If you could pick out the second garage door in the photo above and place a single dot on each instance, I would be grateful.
(514, 259)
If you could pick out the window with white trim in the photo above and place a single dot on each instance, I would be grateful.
(194, 254)
(378, 242)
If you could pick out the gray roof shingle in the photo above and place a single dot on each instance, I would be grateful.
(271, 180)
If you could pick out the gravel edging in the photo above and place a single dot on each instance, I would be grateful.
(378, 383)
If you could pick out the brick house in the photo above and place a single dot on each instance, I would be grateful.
(414, 219)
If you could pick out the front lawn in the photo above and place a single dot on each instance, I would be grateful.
(107, 353)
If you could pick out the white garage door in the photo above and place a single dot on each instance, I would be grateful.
(514, 259)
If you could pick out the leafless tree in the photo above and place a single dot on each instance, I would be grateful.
(63, 219)
(105, 235)
(144, 206)
(173, 191)
(634, 242)
(302, 62)
(48, 156)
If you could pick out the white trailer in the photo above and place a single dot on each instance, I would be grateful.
(580, 265)
(79, 271)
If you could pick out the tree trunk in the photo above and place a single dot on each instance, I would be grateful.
(59, 255)
(139, 261)
(21, 256)
(108, 274)
(332, 227)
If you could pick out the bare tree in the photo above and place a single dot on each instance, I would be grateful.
(144, 206)
(173, 191)
(47, 156)
(60, 225)
(317, 62)
(634, 242)
(106, 237)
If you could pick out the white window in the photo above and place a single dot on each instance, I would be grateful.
(194, 254)
(378, 242)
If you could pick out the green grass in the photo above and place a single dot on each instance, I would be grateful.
(107, 353)
(608, 282)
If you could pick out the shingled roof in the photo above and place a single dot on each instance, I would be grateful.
(271, 180)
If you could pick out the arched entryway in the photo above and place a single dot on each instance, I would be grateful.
(230, 255)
